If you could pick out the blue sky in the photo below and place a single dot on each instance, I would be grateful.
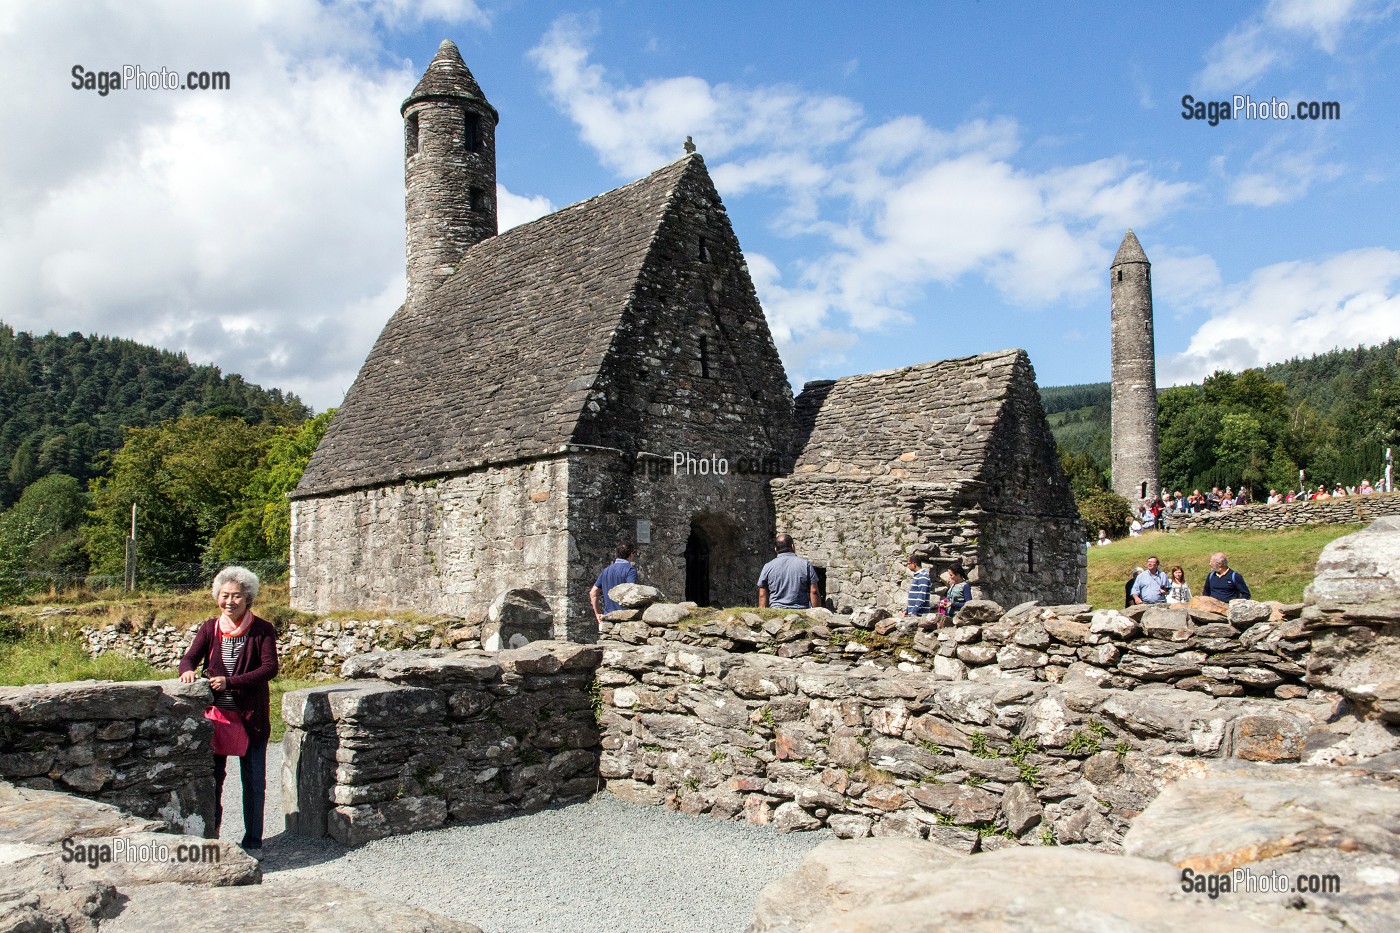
(909, 181)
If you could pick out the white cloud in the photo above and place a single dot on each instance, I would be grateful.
(889, 208)
(1294, 309)
(512, 209)
(258, 228)
(1275, 36)
(1277, 175)
(635, 129)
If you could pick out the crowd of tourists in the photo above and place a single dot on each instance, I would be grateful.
(1156, 513)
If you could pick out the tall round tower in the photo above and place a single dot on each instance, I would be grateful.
(449, 170)
(1135, 466)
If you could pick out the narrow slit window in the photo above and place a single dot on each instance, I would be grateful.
(410, 134)
(705, 356)
(476, 200)
(1143, 493)
(704, 250)
(471, 132)
(1120, 275)
(1030, 557)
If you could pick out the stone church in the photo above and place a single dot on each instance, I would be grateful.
(606, 373)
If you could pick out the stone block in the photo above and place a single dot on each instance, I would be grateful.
(634, 595)
(1168, 624)
(1114, 623)
(1361, 568)
(1021, 808)
(43, 704)
(1267, 738)
(664, 615)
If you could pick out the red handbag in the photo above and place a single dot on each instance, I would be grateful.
(230, 735)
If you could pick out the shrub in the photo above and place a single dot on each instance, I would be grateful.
(1106, 510)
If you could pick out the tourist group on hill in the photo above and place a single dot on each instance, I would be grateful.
(1155, 514)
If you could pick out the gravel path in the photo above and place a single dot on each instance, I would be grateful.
(602, 865)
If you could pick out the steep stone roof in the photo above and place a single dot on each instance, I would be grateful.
(500, 362)
(930, 423)
(1130, 250)
(446, 76)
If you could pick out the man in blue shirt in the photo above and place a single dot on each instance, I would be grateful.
(1222, 583)
(621, 570)
(1151, 585)
(918, 604)
(788, 581)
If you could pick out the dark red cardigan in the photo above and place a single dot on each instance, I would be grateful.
(248, 681)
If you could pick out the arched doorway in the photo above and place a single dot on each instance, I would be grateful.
(697, 567)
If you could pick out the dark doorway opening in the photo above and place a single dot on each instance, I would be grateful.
(697, 567)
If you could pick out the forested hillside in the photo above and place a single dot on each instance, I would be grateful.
(92, 426)
(65, 400)
(1331, 415)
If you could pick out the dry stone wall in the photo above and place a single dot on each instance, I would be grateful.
(140, 746)
(866, 751)
(1292, 514)
(1245, 648)
(317, 647)
(418, 738)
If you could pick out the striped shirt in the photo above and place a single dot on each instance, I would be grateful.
(918, 594)
(232, 650)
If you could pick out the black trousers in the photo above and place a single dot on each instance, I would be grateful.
(252, 771)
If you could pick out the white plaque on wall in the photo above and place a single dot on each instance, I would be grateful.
(643, 531)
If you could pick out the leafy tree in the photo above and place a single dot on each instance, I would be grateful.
(1108, 511)
(41, 533)
(1242, 449)
(261, 528)
(1085, 477)
(186, 478)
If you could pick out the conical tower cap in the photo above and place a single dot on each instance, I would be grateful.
(447, 76)
(1130, 250)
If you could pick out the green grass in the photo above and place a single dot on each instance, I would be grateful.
(1275, 564)
(54, 656)
(39, 657)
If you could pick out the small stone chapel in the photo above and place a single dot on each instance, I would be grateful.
(536, 397)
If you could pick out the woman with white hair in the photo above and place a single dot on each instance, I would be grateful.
(239, 653)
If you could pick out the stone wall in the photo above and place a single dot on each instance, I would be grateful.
(440, 547)
(318, 647)
(1291, 514)
(420, 738)
(1245, 648)
(140, 746)
(867, 751)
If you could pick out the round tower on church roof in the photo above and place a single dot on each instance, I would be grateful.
(449, 170)
(1134, 372)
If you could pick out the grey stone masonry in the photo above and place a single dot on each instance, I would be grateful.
(869, 752)
(420, 738)
(1245, 648)
(140, 746)
(1134, 372)
(449, 171)
(316, 647)
(1261, 517)
(573, 359)
(952, 459)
